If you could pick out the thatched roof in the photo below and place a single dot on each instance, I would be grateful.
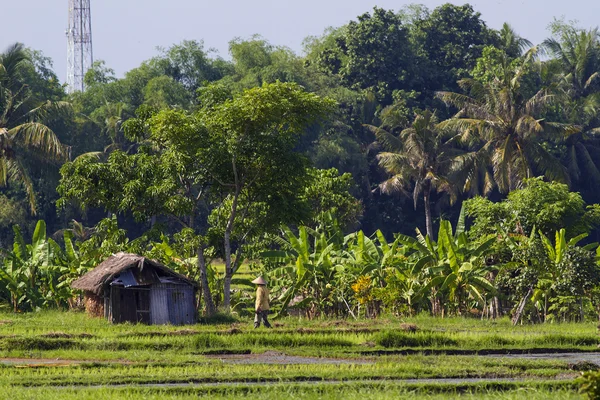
(95, 280)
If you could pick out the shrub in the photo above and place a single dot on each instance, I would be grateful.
(589, 384)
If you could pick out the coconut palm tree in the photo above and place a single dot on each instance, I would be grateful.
(506, 122)
(513, 44)
(582, 160)
(578, 52)
(421, 158)
(22, 129)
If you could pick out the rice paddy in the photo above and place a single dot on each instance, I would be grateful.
(67, 354)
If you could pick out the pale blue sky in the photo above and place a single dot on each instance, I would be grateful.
(126, 32)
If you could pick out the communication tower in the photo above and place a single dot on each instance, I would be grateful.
(79, 44)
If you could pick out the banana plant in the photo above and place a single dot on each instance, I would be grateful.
(310, 265)
(374, 257)
(557, 251)
(462, 270)
(452, 267)
(30, 272)
(544, 292)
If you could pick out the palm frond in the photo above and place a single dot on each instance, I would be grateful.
(38, 136)
(18, 172)
(387, 140)
(394, 163)
(395, 184)
(546, 163)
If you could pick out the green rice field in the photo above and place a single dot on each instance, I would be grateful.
(70, 355)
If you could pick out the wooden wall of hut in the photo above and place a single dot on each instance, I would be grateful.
(172, 303)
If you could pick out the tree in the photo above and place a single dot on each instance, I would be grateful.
(256, 62)
(578, 52)
(164, 91)
(581, 159)
(502, 114)
(513, 44)
(188, 64)
(421, 157)
(252, 157)
(545, 206)
(372, 53)
(162, 178)
(23, 134)
(328, 193)
(452, 38)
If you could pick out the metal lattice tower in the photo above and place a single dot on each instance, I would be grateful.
(79, 44)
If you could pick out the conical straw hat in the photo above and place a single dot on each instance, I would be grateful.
(259, 281)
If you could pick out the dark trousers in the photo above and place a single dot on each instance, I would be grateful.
(261, 315)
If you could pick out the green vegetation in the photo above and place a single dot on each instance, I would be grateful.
(418, 189)
(50, 353)
(311, 391)
(297, 166)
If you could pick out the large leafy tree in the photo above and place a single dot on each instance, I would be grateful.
(505, 117)
(253, 160)
(373, 53)
(451, 39)
(189, 64)
(23, 133)
(421, 158)
(163, 178)
(545, 206)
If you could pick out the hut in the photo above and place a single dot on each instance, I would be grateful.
(127, 287)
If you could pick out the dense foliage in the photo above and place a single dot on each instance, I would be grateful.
(190, 158)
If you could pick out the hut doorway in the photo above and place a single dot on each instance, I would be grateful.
(130, 304)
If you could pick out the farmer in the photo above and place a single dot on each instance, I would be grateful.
(262, 302)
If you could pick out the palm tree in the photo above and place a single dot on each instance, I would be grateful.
(513, 44)
(582, 159)
(578, 52)
(22, 131)
(421, 157)
(504, 119)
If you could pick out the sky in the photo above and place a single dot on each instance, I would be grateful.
(127, 32)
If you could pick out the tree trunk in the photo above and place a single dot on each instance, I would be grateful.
(497, 310)
(521, 307)
(428, 219)
(206, 294)
(227, 244)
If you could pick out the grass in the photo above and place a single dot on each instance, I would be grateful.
(214, 371)
(348, 391)
(377, 354)
(56, 332)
